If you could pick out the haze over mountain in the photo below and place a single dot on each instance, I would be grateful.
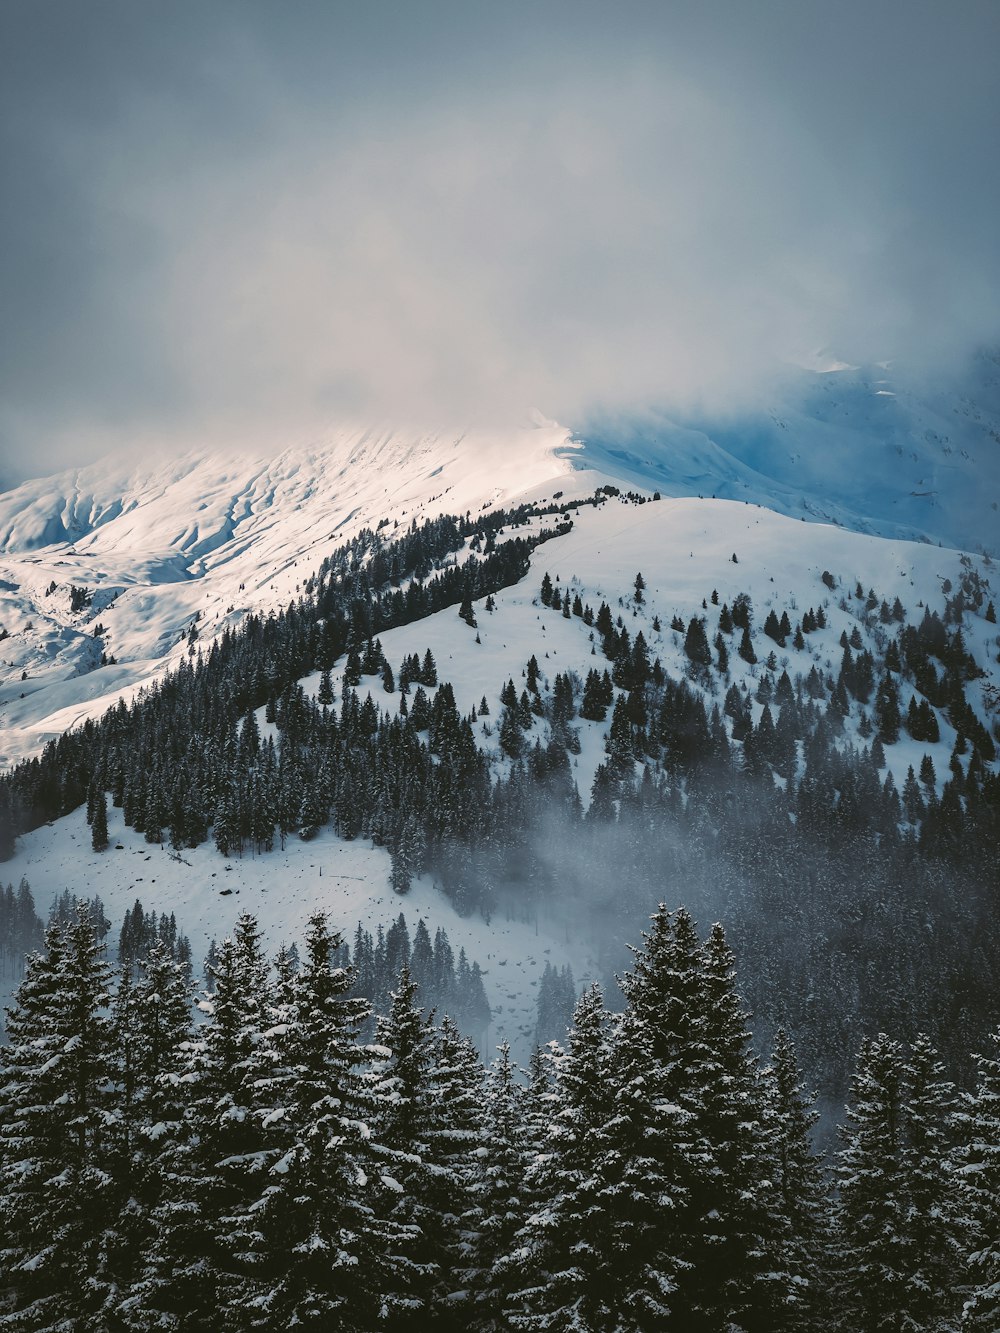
(487, 492)
(223, 228)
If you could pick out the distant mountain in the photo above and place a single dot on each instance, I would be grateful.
(865, 448)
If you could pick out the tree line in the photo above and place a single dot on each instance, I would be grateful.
(267, 1167)
(752, 806)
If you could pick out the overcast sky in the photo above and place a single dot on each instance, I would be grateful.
(244, 221)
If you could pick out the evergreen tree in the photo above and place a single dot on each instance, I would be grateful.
(732, 1274)
(496, 1212)
(798, 1208)
(325, 692)
(696, 643)
(151, 1028)
(405, 1107)
(57, 1196)
(649, 1166)
(872, 1258)
(99, 823)
(563, 1250)
(935, 1233)
(208, 1166)
(978, 1164)
(322, 1251)
(452, 1137)
(887, 713)
(746, 647)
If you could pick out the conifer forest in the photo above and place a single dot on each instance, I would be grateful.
(316, 1139)
(285, 1161)
(499, 666)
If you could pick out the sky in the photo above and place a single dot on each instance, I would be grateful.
(243, 222)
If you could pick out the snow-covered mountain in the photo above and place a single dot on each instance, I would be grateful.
(154, 547)
(151, 550)
(863, 447)
(112, 574)
(685, 550)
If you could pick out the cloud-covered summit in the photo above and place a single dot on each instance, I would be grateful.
(244, 221)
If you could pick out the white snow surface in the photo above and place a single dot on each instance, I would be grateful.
(210, 538)
(684, 549)
(213, 536)
(871, 448)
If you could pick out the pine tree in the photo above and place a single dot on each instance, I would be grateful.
(325, 693)
(564, 1248)
(696, 643)
(746, 647)
(978, 1168)
(452, 1136)
(404, 1102)
(207, 1165)
(653, 1149)
(798, 1207)
(872, 1259)
(57, 1196)
(151, 1028)
(934, 1230)
(322, 1251)
(99, 823)
(887, 713)
(732, 1274)
(496, 1212)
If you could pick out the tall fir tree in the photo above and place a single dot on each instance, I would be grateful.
(978, 1169)
(799, 1205)
(872, 1259)
(57, 1195)
(564, 1248)
(496, 1212)
(324, 1252)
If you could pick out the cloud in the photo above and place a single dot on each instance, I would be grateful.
(243, 223)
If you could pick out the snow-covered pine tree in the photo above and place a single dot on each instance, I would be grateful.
(798, 1205)
(452, 1135)
(497, 1206)
(564, 1249)
(326, 1254)
(902, 1232)
(151, 1025)
(653, 1149)
(978, 1163)
(936, 1232)
(871, 1244)
(403, 1107)
(191, 1271)
(99, 823)
(57, 1196)
(731, 1276)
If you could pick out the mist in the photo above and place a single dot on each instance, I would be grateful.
(248, 224)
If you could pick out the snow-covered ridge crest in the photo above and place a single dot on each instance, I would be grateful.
(105, 569)
(194, 504)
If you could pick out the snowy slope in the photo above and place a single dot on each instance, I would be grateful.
(861, 447)
(206, 539)
(684, 549)
(203, 539)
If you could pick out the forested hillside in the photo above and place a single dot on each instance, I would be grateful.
(269, 1167)
(755, 771)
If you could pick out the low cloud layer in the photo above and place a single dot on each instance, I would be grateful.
(225, 223)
